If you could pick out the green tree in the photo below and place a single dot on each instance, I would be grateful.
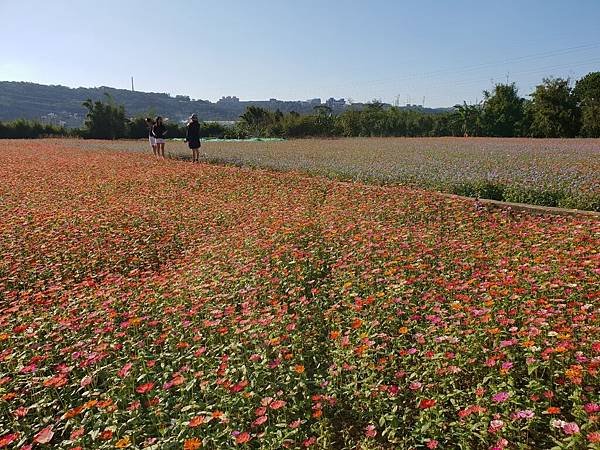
(469, 118)
(554, 109)
(256, 120)
(587, 93)
(323, 110)
(503, 111)
(105, 120)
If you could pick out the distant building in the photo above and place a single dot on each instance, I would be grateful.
(313, 101)
(336, 104)
(228, 100)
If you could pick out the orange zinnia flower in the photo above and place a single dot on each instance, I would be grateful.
(192, 444)
(197, 421)
(242, 438)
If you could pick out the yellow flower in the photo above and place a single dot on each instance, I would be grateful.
(123, 443)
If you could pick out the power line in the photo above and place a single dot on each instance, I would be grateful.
(475, 67)
(543, 70)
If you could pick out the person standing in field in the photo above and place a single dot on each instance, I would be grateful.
(192, 137)
(150, 124)
(159, 132)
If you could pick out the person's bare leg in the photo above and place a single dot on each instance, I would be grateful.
(162, 150)
(155, 150)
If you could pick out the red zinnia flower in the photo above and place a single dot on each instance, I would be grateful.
(427, 403)
(277, 404)
(8, 439)
(144, 388)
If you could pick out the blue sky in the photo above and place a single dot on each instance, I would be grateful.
(446, 51)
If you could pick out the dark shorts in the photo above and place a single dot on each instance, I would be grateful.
(194, 145)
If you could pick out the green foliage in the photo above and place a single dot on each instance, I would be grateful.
(588, 88)
(590, 119)
(469, 117)
(137, 128)
(587, 92)
(105, 120)
(503, 111)
(256, 120)
(479, 189)
(554, 109)
(213, 129)
(25, 129)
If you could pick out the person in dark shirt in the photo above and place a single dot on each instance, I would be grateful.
(192, 137)
(159, 132)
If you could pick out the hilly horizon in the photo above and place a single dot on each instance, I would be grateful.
(63, 105)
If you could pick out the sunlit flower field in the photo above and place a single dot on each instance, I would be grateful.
(166, 305)
(549, 172)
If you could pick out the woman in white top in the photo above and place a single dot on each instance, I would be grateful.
(152, 139)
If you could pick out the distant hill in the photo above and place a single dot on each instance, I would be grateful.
(63, 105)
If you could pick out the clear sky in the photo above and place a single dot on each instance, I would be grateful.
(444, 50)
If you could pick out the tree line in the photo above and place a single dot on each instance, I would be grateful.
(104, 120)
(556, 109)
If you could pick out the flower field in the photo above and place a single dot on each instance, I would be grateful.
(163, 305)
(548, 172)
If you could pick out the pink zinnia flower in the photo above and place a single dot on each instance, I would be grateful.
(370, 431)
(125, 370)
(570, 428)
(259, 421)
(310, 441)
(295, 424)
(496, 425)
(500, 397)
(44, 436)
(591, 408)
(500, 445)
(525, 414)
